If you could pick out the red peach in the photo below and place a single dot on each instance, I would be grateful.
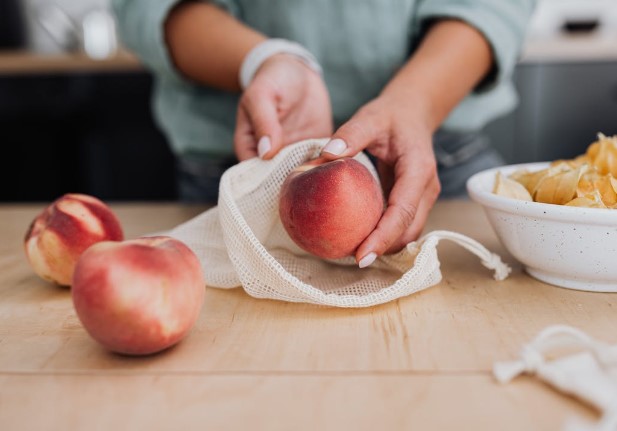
(64, 230)
(329, 207)
(140, 296)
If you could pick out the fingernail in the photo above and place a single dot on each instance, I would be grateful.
(263, 146)
(335, 146)
(367, 260)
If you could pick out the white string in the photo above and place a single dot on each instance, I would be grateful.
(530, 362)
(489, 260)
(533, 355)
(563, 336)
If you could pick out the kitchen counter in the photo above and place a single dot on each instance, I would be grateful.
(24, 62)
(577, 49)
(556, 49)
(422, 362)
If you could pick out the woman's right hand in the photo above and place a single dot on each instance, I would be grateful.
(286, 102)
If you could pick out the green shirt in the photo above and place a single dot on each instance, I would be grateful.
(359, 43)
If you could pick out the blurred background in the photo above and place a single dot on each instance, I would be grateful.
(75, 105)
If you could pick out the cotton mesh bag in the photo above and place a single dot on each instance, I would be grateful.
(242, 242)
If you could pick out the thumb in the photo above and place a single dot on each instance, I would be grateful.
(351, 138)
(262, 113)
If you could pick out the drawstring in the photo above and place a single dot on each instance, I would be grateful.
(533, 359)
(489, 260)
(530, 361)
(532, 356)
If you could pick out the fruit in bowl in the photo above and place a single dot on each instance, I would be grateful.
(139, 296)
(564, 231)
(329, 207)
(59, 235)
(585, 181)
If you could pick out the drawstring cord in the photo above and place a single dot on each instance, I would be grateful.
(533, 358)
(489, 260)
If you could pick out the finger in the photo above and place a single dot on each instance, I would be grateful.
(261, 109)
(409, 203)
(417, 226)
(386, 177)
(245, 145)
(352, 137)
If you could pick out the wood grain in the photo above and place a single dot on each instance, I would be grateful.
(250, 360)
(23, 62)
(280, 402)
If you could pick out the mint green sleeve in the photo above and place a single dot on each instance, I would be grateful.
(141, 25)
(501, 22)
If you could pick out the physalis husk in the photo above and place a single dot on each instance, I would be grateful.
(590, 200)
(603, 154)
(588, 180)
(559, 188)
(505, 186)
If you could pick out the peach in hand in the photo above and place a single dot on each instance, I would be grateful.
(329, 207)
(64, 230)
(140, 296)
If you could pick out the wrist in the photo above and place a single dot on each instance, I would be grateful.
(451, 60)
(414, 104)
(207, 45)
(270, 48)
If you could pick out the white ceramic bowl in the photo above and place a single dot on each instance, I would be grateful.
(570, 247)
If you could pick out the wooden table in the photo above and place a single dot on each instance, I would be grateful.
(422, 362)
(30, 63)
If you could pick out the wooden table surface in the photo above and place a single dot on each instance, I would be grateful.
(422, 362)
(31, 63)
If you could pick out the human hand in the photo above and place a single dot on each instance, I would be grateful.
(285, 102)
(399, 135)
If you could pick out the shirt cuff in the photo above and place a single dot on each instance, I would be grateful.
(269, 47)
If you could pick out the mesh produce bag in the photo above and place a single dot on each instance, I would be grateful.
(242, 242)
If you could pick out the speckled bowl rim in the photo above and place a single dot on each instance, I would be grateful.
(480, 187)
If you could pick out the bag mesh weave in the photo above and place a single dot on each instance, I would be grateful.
(242, 242)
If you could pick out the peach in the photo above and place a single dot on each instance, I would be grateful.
(64, 230)
(140, 296)
(329, 207)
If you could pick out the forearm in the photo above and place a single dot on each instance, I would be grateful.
(451, 60)
(208, 45)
